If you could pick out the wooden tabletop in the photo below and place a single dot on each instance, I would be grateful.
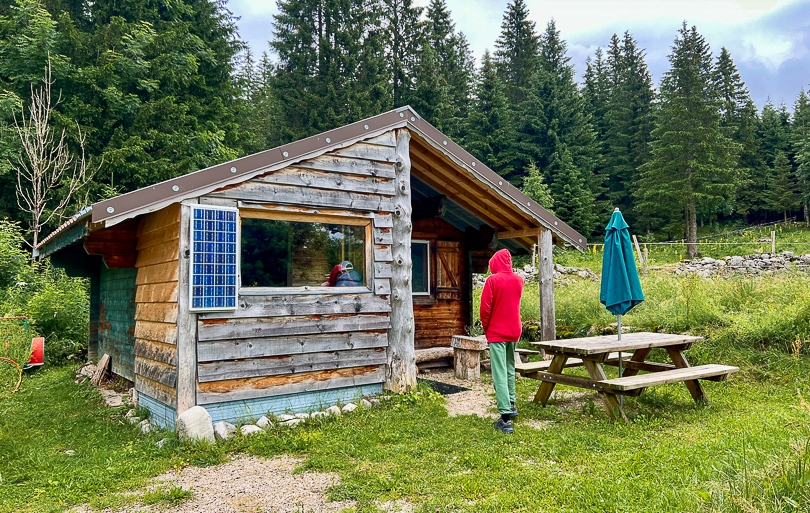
(610, 343)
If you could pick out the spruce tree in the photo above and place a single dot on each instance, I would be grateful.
(693, 165)
(403, 33)
(800, 144)
(489, 129)
(782, 194)
(535, 188)
(517, 52)
(455, 61)
(431, 97)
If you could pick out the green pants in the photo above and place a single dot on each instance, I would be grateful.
(502, 359)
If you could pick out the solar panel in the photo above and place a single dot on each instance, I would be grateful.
(213, 258)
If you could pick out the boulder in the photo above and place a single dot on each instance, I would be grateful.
(316, 414)
(161, 443)
(333, 410)
(787, 254)
(292, 422)
(286, 417)
(134, 420)
(130, 414)
(195, 424)
(250, 429)
(350, 407)
(223, 430)
(365, 403)
(264, 423)
(302, 416)
(145, 426)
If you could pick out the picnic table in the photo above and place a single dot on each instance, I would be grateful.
(594, 352)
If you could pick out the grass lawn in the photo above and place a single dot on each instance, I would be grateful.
(745, 452)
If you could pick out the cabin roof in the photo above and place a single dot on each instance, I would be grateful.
(436, 161)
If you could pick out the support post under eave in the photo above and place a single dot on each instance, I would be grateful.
(546, 263)
(400, 372)
(186, 322)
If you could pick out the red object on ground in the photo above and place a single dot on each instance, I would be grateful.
(500, 300)
(37, 352)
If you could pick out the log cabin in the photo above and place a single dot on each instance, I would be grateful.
(300, 276)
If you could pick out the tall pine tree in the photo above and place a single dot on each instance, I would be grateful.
(800, 142)
(403, 33)
(693, 163)
(517, 52)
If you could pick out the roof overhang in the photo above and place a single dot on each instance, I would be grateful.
(149, 199)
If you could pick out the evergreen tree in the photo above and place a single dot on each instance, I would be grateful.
(331, 64)
(403, 32)
(517, 52)
(782, 194)
(555, 134)
(490, 134)
(432, 98)
(801, 148)
(535, 188)
(455, 61)
(596, 92)
(693, 163)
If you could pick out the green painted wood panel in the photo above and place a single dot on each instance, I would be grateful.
(116, 325)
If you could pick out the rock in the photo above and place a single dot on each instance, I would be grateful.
(161, 443)
(582, 274)
(708, 260)
(302, 416)
(88, 369)
(787, 254)
(350, 407)
(134, 420)
(111, 398)
(70, 452)
(375, 401)
(286, 417)
(365, 403)
(264, 423)
(316, 414)
(130, 414)
(292, 423)
(145, 426)
(721, 263)
(560, 269)
(250, 430)
(133, 397)
(195, 424)
(805, 258)
(333, 410)
(223, 430)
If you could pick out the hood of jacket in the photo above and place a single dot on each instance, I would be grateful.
(501, 262)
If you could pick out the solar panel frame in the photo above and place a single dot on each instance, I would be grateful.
(214, 268)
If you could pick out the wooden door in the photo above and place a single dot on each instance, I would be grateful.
(448, 275)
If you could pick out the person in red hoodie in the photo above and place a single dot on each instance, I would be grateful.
(500, 317)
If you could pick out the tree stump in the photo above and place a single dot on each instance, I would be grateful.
(467, 356)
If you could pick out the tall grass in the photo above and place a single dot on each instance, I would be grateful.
(15, 344)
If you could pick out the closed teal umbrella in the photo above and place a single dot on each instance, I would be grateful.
(621, 288)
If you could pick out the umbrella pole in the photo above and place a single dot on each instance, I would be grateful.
(621, 397)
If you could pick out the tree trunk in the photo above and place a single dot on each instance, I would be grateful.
(806, 219)
(691, 240)
(785, 217)
(400, 373)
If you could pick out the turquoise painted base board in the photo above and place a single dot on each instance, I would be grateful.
(161, 414)
(252, 409)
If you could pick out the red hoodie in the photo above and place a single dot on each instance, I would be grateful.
(500, 301)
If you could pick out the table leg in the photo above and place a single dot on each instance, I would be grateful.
(556, 367)
(611, 401)
(693, 385)
(638, 356)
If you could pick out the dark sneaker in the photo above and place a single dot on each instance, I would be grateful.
(514, 412)
(505, 427)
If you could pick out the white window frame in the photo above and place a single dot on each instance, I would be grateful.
(427, 258)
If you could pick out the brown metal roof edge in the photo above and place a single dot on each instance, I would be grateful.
(79, 216)
(182, 187)
(480, 170)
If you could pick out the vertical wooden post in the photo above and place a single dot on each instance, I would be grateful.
(646, 255)
(546, 275)
(400, 373)
(773, 243)
(186, 323)
(638, 250)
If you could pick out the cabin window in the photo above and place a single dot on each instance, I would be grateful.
(213, 258)
(284, 253)
(420, 255)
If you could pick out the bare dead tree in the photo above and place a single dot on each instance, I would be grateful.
(50, 177)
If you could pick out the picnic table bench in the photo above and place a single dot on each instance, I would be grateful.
(632, 350)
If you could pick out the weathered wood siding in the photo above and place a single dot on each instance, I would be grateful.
(116, 319)
(281, 344)
(157, 267)
(446, 312)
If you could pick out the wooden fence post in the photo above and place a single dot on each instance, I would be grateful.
(400, 372)
(186, 322)
(546, 278)
(773, 243)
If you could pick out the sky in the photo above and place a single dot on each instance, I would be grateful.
(769, 40)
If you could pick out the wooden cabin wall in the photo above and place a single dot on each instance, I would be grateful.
(276, 345)
(116, 319)
(441, 316)
(156, 305)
